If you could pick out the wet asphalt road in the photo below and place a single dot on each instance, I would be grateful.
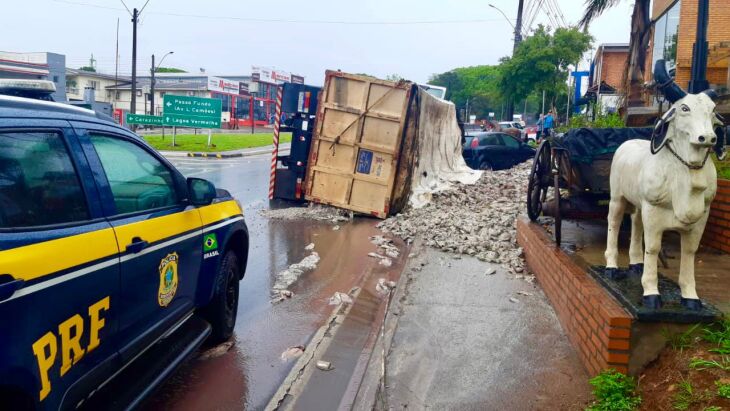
(248, 375)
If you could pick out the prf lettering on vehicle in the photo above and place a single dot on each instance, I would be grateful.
(70, 333)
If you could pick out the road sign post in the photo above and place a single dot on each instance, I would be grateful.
(192, 112)
(144, 119)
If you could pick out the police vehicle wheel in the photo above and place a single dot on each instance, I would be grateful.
(222, 310)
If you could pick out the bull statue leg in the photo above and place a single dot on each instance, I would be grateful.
(653, 242)
(636, 248)
(616, 208)
(690, 244)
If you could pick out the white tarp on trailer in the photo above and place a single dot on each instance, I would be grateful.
(439, 160)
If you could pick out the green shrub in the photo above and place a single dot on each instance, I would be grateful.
(723, 390)
(614, 392)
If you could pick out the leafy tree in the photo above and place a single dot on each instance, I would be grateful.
(394, 77)
(88, 68)
(541, 63)
(478, 84)
(638, 44)
(169, 70)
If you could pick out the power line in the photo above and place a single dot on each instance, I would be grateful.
(262, 20)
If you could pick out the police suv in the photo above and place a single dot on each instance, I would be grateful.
(114, 268)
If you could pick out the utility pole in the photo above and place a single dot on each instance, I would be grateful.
(152, 87)
(518, 40)
(135, 18)
(698, 80)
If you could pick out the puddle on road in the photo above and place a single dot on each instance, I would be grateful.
(248, 375)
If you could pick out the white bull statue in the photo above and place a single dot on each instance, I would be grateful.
(666, 184)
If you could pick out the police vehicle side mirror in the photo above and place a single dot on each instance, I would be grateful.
(200, 192)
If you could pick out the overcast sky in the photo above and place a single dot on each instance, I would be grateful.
(413, 38)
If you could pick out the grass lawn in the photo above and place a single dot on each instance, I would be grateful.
(220, 142)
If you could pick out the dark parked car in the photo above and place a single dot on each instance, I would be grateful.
(494, 151)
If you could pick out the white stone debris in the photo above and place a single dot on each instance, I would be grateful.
(318, 212)
(287, 277)
(292, 352)
(340, 298)
(336, 228)
(324, 365)
(476, 220)
(525, 293)
(513, 300)
(384, 286)
(386, 244)
(387, 262)
(216, 351)
(309, 247)
(491, 271)
(281, 295)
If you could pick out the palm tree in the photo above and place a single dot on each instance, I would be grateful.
(638, 45)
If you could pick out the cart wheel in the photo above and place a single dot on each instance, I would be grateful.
(558, 217)
(539, 181)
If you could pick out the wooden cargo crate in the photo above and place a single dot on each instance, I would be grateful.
(357, 142)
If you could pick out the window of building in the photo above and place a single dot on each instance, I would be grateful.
(116, 95)
(139, 182)
(55, 79)
(93, 84)
(243, 105)
(38, 182)
(666, 30)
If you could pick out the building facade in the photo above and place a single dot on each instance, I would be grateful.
(675, 25)
(606, 79)
(36, 66)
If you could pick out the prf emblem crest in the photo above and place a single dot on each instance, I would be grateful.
(168, 280)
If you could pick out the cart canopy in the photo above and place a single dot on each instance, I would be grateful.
(585, 144)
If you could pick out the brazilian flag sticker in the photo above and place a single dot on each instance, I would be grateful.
(210, 242)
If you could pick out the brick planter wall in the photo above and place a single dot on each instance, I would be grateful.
(717, 232)
(597, 326)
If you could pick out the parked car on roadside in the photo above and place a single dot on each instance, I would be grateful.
(495, 151)
(513, 128)
(114, 268)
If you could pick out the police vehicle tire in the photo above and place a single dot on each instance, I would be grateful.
(222, 310)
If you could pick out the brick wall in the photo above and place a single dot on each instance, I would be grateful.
(717, 231)
(718, 30)
(597, 326)
(613, 68)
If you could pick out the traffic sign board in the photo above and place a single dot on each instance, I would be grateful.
(190, 121)
(144, 119)
(192, 106)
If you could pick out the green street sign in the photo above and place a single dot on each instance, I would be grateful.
(190, 121)
(144, 119)
(191, 106)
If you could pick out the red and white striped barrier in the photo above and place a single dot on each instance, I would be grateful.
(275, 151)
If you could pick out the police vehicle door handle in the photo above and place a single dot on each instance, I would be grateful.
(137, 245)
(9, 285)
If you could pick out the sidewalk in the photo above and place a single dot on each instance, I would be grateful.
(246, 152)
(458, 338)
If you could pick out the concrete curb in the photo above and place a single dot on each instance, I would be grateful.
(227, 154)
(295, 381)
(217, 155)
(369, 396)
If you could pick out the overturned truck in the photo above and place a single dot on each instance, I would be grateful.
(380, 145)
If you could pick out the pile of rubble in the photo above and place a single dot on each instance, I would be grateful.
(317, 212)
(477, 219)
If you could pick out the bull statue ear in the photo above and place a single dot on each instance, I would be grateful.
(711, 94)
(721, 133)
(659, 135)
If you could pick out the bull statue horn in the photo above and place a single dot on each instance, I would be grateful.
(666, 84)
(711, 94)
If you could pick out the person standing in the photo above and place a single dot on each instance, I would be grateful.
(548, 124)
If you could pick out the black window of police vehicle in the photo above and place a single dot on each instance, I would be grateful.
(138, 181)
(38, 182)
